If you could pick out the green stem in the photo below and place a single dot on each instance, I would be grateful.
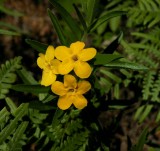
(84, 37)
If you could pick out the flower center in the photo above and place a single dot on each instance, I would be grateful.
(48, 65)
(71, 90)
(75, 58)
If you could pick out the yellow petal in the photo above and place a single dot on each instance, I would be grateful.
(80, 101)
(77, 47)
(55, 65)
(70, 81)
(66, 66)
(49, 53)
(82, 69)
(64, 102)
(48, 78)
(87, 54)
(41, 61)
(83, 87)
(62, 53)
(58, 88)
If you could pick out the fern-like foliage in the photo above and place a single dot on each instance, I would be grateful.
(111, 81)
(64, 133)
(141, 12)
(68, 133)
(146, 12)
(7, 75)
(12, 128)
(146, 52)
(77, 141)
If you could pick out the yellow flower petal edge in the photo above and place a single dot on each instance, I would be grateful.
(70, 81)
(76, 47)
(62, 53)
(80, 102)
(49, 64)
(48, 78)
(71, 92)
(82, 69)
(64, 102)
(41, 61)
(49, 53)
(74, 57)
(59, 88)
(87, 54)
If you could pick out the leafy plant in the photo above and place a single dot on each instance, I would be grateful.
(11, 29)
(7, 75)
(40, 123)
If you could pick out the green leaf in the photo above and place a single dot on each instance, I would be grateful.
(58, 28)
(26, 76)
(10, 12)
(114, 23)
(30, 88)
(113, 46)
(139, 112)
(116, 91)
(11, 105)
(43, 97)
(91, 5)
(141, 141)
(105, 18)
(3, 114)
(13, 124)
(125, 65)
(105, 148)
(40, 47)
(111, 75)
(103, 59)
(68, 19)
(145, 113)
(56, 118)
(84, 5)
(9, 33)
(81, 18)
(40, 106)
(18, 134)
(10, 26)
(7, 75)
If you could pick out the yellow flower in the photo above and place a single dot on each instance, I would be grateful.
(49, 66)
(74, 58)
(70, 92)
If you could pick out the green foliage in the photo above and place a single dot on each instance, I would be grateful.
(6, 32)
(12, 126)
(104, 59)
(30, 88)
(104, 18)
(126, 65)
(76, 31)
(40, 47)
(81, 18)
(141, 141)
(7, 75)
(58, 28)
(40, 123)
(142, 30)
(146, 12)
(10, 12)
(68, 132)
(147, 52)
(11, 29)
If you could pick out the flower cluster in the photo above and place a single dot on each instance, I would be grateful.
(61, 61)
